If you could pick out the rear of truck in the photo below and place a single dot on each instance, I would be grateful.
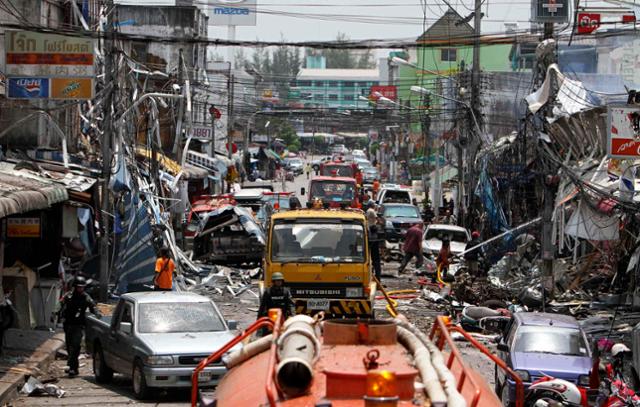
(323, 255)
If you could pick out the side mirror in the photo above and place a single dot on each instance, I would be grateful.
(302, 191)
(502, 347)
(126, 328)
(232, 324)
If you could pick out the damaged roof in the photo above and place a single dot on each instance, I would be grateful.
(21, 192)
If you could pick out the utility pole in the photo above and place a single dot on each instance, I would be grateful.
(230, 115)
(107, 138)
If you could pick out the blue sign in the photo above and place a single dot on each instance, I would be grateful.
(231, 11)
(28, 88)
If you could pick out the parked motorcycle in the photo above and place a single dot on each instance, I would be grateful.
(618, 394)
(552, 392)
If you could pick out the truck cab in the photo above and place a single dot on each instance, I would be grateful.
(335, 192)
(324, 259)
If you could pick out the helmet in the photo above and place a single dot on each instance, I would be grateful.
(552, 389)
(277, 276)
(475, 234)
(619, 348)
(79, 282)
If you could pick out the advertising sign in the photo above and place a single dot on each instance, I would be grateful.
(28, 88)
(23, 227)
(232, 12)
(390, 92)
(550, 11)
(49, 66)
(201, 132)
(588, 22)
(623, 131)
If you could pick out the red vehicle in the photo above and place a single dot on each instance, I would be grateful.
(201, 205)
(336, 191)
(339, 168)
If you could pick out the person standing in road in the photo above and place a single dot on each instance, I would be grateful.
(163, 280)
(277, 296)
(376, 188)
(471, 257)
(412, 247)
(374, 239)
(72, 312)
(444, 257)
(307, 169)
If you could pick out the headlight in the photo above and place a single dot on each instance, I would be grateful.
(160, 360)
(354, 292)
(584, 380)
(388, 224)
(524, 375)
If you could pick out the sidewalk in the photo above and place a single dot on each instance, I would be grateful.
(25, 352)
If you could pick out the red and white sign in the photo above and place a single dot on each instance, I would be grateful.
(390, 92)
(623, 139)
(588, 22)
(215, 112)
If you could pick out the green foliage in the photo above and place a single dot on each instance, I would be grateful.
(345, 58)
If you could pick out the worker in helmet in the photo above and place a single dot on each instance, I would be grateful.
(471, 257)
(277, 296)
(72, 313)
(619, 351)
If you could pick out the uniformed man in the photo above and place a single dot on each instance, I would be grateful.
(277, 296)
(72, 312)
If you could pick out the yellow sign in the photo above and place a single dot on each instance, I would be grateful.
(23, 227)
(71, 88)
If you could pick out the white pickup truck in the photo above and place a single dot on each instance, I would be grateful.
(158, 338)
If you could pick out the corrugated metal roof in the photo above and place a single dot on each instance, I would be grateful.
(19, 194)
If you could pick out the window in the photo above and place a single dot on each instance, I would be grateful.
(349, 84)
(333, 97)
(448, 54)
(318, 97)
(365, 84)
(176, 317)
(333, 84)
(348, 97)
(304, 83)
(320, 84)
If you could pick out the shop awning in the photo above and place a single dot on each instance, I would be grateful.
(19, 193)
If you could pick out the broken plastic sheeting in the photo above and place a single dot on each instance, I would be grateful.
(244, 216)
(33, 387)
(572, 96)
(588, 224)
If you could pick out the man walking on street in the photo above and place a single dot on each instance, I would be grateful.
(72, 312)
(374, 239)
(412, 247)
(307, 169)
(163, 280)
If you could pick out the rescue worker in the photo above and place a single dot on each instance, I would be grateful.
(72, 312)
(277, 296)
(618, 354)
(472, 257)
(444, 257)
(412, 247)
(163, 279)
(374, 238)
(307, 169)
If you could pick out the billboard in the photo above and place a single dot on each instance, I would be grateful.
(623, 131)
(232, 12)
(550, 11)
(390, 92)
(23, 227)
(41, 65)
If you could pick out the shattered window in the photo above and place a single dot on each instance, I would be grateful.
(175, 317)
(546, 339)
(441, 234)
(318, 242)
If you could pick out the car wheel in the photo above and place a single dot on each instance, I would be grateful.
(101, 371)
(140, 388)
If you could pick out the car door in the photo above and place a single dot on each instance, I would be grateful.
(506, 339)
(121, 342)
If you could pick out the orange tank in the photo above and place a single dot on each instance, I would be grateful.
(361, 363)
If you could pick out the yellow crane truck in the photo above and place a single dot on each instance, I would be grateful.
(324, 258)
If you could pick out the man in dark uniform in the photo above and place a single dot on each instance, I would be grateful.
(277, 296)
(72, 312)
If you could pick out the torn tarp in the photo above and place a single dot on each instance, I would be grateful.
(484, 191)
(588, 224)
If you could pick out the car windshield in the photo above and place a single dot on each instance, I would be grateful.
(283, 200)
(318, 242)
(440, 234)
(547, 339)
(397, 196)
(401, 212)
(175, 317)
(340, 170)
(335, 191)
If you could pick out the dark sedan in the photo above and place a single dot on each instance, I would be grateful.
(398, 218)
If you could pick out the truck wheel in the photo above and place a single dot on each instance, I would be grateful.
(101, 371)
(140, 388)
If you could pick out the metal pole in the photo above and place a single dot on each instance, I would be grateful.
(106, 155)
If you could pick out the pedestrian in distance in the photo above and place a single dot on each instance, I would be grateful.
(374, 238)
(72, 311)
(307, 169)
(412, 247)
(471, 257)
(277, 296)
(163, 279)
(376, 188)
(444, 257)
